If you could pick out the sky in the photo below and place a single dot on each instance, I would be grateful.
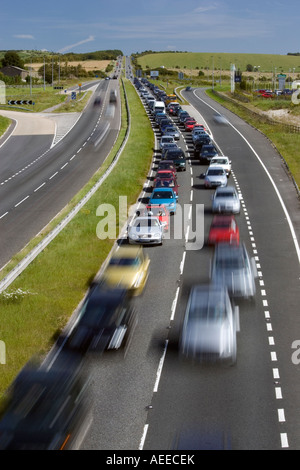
(233, 26)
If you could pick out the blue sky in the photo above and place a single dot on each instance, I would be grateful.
(268, 27)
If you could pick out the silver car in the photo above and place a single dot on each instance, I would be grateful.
(172, 131)
(146, 231)
(215, 177)
(232, 267)
(210, 325)
(226, 200)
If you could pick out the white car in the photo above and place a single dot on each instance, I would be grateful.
(222, 161)
(146, 231)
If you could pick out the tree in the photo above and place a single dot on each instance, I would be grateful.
(12, 58)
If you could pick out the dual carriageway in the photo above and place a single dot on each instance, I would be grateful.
(147, 399)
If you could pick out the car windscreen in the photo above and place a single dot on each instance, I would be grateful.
(208, 309)
(219, 161)
(162, 195)
(215, 172)
(115, 261)
(224, 194)
(146, 223)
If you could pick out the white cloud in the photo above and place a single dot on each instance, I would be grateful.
(23, 36)
(72, 46)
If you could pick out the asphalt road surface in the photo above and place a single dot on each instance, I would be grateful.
(149, 399)
(46, 160)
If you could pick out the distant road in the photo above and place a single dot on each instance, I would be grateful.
(39, 179)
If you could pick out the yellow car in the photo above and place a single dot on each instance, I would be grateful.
(128, 267)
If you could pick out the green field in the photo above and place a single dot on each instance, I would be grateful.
(216, 60)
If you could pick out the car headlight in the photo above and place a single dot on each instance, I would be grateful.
(156, 235)
(134, 235)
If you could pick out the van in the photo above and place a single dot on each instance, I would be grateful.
(159, 106)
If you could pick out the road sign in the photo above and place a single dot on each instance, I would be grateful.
(73, 95)
(20, 102)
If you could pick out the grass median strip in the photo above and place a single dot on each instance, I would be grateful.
(52, 286)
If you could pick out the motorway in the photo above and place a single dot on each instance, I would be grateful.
(148, 398)
(45, 160)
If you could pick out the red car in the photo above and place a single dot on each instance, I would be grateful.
(165, 173)
(266, 95)
(159, 211)
(190, 124)
(224, 229)
(170, 182)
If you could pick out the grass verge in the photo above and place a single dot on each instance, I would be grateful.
(55, 283)
(4, 125)
(286, 143)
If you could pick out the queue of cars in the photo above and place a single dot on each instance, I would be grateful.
(46, 408)
(211, 319)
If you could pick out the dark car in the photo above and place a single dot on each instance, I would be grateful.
(207, 153)
(97, 101)
(104, 321)
(167, 165)
(198, 144)
(46, 409)
(167, 182)
(178, 157)
(183, 117)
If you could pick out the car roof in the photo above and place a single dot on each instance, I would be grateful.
(162, 189)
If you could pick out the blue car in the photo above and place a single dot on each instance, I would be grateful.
(165, 196)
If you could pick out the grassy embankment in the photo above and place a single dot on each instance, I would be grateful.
(44, 98)
(287, 143)
(58, 278)
(4, 124)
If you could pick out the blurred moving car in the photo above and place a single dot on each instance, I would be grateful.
(222, 161)
(215, 177)
(46, 410)
(97, 101)
(146, 230)
(104, 322)
(226, 200)
(127, 267)
(210, 325)
(232, 267)
(223, 229)
(220, 119)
